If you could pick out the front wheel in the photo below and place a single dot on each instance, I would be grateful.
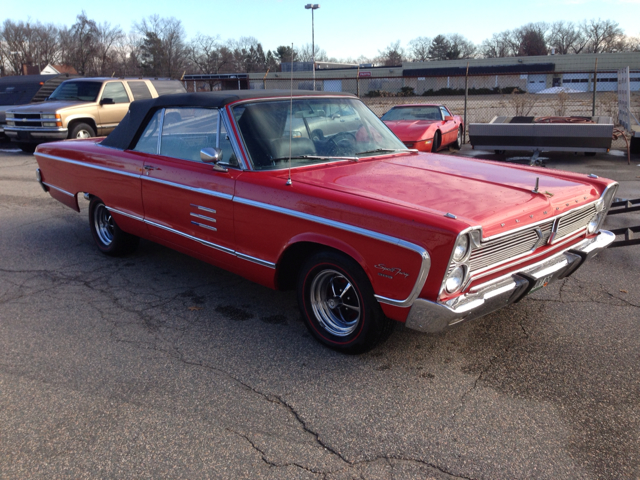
(437, 139)
(338, 306)
(82, 130)
(458, 144)
(109, 238)
(28, 147)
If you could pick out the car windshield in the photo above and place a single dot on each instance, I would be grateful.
(80, 91)
(311, 130)
(413, 113)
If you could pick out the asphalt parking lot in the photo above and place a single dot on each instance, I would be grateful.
(160, 366)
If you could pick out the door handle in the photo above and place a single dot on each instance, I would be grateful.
(150, 167)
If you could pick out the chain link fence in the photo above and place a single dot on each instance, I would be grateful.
(536, 94)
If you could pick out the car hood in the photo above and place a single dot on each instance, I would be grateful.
(48, 107)
(411, 130)
(495, 196)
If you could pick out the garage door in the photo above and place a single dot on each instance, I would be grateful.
(536, 83)
(333, 85)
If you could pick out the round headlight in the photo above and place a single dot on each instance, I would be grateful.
(462, 247)
(454, 282)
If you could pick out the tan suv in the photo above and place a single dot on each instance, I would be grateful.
(82, 108)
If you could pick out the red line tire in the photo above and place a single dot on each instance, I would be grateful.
(338, 305)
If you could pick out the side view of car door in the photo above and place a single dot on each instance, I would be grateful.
(188, 203)
(449, 129)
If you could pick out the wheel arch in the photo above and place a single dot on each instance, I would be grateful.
(88, 120)
(302, 247)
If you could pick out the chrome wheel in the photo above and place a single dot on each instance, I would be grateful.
(459, 141)
(335, 303)
(104, 224)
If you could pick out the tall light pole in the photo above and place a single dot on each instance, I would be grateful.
(312, 7)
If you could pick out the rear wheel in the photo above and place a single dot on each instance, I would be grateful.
(82, 130)
(109, 238)
(338, 306)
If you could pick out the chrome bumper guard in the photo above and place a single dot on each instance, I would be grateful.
(481, 300)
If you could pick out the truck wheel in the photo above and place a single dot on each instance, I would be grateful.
(109, 239)
(82, 130)
(338, 306)
(28, 147)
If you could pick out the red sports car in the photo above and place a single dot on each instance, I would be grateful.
(311, 191)
(425, 127)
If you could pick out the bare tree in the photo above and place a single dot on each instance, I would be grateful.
(462, 46)
(602, 35)
(162, 51)
(14, 44)
(631, 44)
(499, 45)
(84, 44)
(107, 38)
(392, 55)
(566, 37)
(209, 54)
(419, 49)
(305, 54)
(125, 53)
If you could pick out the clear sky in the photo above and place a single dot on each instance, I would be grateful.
(343, 28)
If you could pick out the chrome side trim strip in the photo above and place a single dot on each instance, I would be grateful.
(424, 255)
(204, 191)
(203, 217)
(191, 237)
(204, 226)
(259, 261)
(241, 256)
(59, 189)
(120, 212)
(88, 165)
(199, 207)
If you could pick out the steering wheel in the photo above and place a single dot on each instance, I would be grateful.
(341, 144)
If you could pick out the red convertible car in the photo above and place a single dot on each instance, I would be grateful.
(311, 191)
(427, 128)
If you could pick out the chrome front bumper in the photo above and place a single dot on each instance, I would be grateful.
(36, 133)
(481, 300)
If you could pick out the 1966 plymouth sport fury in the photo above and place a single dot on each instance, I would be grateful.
(312, 191)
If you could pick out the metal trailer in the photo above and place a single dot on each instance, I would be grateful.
(630, 234)
(530, 134)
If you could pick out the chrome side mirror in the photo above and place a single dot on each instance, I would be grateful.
(212, 155)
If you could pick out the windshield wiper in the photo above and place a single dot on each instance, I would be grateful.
(381, 150)
(316, 157)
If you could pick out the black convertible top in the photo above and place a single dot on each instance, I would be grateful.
(127, 130)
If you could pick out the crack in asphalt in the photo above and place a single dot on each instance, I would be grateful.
(269, 462)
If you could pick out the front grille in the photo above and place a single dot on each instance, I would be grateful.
(29, 124)
(506, 247)
(28, 116)
(509, 246)
(409, 144)
(575, 221)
